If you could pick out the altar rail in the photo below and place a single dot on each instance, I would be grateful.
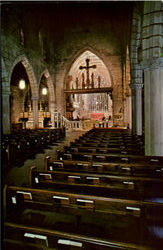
(89, 124)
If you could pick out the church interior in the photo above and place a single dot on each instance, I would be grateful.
(82, 125)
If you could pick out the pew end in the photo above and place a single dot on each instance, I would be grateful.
(30, 175)
(46, 162)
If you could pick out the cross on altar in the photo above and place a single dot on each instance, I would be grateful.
(87, 67)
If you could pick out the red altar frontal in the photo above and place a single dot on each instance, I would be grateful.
(97, 116)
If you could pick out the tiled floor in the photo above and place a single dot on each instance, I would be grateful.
(19, 175)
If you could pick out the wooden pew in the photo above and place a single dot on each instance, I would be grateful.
(98, 184)
(135, 218)
(110, 133)
(152, 168)
(108, 157)
(99, 150)
(21, 237)
(108, 141)
(134, 145)
(29, 207)
(83, 148)
(25, 144)
(109, 136)
(106, 146)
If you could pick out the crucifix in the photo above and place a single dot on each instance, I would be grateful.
(87, 67)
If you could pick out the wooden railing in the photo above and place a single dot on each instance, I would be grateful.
(103, 124)
(61, 121)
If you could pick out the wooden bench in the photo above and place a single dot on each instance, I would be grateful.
(27, 206)
(98, 184)
(110, 141)
(108, 157)
(106, 146)
(111, 133)
(59, 219)
(33, 208)
(152, 168)
(19, 146)
(18, 237)
(102, 149)
(111, 138)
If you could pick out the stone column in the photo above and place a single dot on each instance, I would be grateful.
(6, 112)
(153, 82)
(152, 63)
(35, 111)
(133, 102)
(129, 111)
(52, 110)
(138, 91)
(137, 108)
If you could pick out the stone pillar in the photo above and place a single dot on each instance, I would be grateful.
(136, 71)
(138, 91)
(6, 112)
(52, 111)
(152, 63)
(137, 108)
(129, 111)
(153, 82)
(133, 102)
(35, 111)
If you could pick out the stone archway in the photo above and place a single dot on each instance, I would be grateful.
(52, 98)
(33, 85)
(30, 72)
(63, 70)
(49, 84)
(96, 52)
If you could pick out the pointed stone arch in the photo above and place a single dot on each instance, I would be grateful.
(101, 70)
(30, 73)
(32, 81)
(64, 68)
(52, 97)
(97, 53)
(49, 84)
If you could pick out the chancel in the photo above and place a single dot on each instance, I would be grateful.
(89, 101)
(82, 125)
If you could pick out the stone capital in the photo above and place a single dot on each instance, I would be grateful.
(6, 92)
(136, 86)
(153, 63)
(34, 98)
